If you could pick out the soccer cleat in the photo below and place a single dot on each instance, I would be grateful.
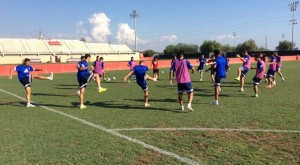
(201, 79)
(30, 105)
(237, 79)
(128, 81)
(256, 95)
(102, 90)
(147, 105)
(215, 102)
(82, 107)
(190, 108)
(242, 90)
(51, 76)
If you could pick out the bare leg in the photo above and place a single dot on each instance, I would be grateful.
(151, 78)
(82, 90)
(242, 81)
(255, 89)
(280, 74)
(239, 71)
(217, 92)
(190, 97)
(97, 80)
(146, 97)
(28, 94)
(40, 77)
(180, 100)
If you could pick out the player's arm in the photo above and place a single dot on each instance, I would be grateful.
(193, 70)
(38, 70)
(11, 73)
(239, 57)
(127, 76)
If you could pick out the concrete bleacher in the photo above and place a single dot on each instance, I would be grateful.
(13, 51)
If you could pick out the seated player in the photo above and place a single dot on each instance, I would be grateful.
(260, 72)
(85, 75)
(140, 72)
(25, 77)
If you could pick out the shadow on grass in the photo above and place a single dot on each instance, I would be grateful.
(50, 94)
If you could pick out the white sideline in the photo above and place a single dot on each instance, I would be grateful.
(207, 129)
(115, 133)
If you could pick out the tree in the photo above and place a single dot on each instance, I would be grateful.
(209, 46)
(248, 45)
(285, 45)
(227, 48)
(149, 53)
(169, 49)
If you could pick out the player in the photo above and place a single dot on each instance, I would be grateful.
(242, 71)
(84, 75)
(182, 67)
(25, 77)
(271, 72)
(141, 77)
(278, 66)
(99, 67)
(154, 66)
(202, 62)
(172, 62)
(221, 67)
(211, 61)
(131, 64)
(260, 72)
(297, 57)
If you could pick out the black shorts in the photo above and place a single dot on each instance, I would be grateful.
(155, 70)
(256, 81)
(26, 81)
(82, 81)
(185, 87)
(271, 73)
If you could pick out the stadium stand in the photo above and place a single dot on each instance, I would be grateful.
(13, 51)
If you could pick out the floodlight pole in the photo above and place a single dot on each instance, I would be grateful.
(234, 35)
(134, 15)
(293, 8)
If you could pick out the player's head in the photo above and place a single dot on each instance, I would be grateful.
(275, 53)
(258, 57)
(216, 52)
(101, 58)
(132, 58)
(245, 52)
(87, 57)
(202, 56)
(174, 57)
(142, 62)
(97, 58)
(26, 61)
(82, 58)
(155, 57)
(179, 55)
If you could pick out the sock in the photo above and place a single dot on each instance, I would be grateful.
(189, 105)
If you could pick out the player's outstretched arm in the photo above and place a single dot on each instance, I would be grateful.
(126, 77)
(11, 74)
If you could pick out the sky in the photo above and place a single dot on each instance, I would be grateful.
(160, 22)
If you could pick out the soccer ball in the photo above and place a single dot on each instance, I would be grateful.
(114, 78)
(108, 79)
(162, 72)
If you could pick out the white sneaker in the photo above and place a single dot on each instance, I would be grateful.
(182, 108)
(215, 102)
(190, 107)
(147, 105)
(242, 89)
(78, 92)
(201, 80)
(51, 76)
(256, 95)
(30, 105)
(82, 107)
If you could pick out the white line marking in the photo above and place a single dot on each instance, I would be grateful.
(207, 129)
(115, 133)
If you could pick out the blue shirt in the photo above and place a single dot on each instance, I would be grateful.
(202, 61)
(140, 73)
(23, 71)
(82, 64)
(221, 64)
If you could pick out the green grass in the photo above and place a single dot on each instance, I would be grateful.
(37, 136)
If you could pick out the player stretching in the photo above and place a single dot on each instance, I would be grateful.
(260, 73)
(141, 77)
(84, 75)
(131, 64)
(202, 62)
(242, 71)
(221, 67)
(154, 66)
(26, 78)
(271, 72)
(278, 66)
(182, 67)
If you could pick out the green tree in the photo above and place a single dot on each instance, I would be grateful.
(186, 48)
(249, 45)
(149, 53)
(227, 48)
(209, 46)
(285, 45)
(170, 49)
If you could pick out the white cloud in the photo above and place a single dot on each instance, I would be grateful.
(100, 27)
(224, 37)
(169, 38)
(126, 35)
(81, 29)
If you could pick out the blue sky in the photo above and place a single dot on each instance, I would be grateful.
(161, 22)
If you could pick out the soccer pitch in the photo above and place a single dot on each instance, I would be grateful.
(117, 129)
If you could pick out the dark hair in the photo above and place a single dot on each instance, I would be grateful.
(179, 55)
(245, 50)
(101, 58)
(26, 59)
(82, 57)
(216, 52)
(87, 56)
(131, 58)
(97, 57)
(142, 61)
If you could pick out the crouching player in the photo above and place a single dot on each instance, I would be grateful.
(84, 75)
(260, 72)
(26, 78)
(141, 77)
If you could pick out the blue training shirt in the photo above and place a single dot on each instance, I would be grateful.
(140, 73)
(23, 71)
(82, 73)
(202, 62)
(221, 64)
